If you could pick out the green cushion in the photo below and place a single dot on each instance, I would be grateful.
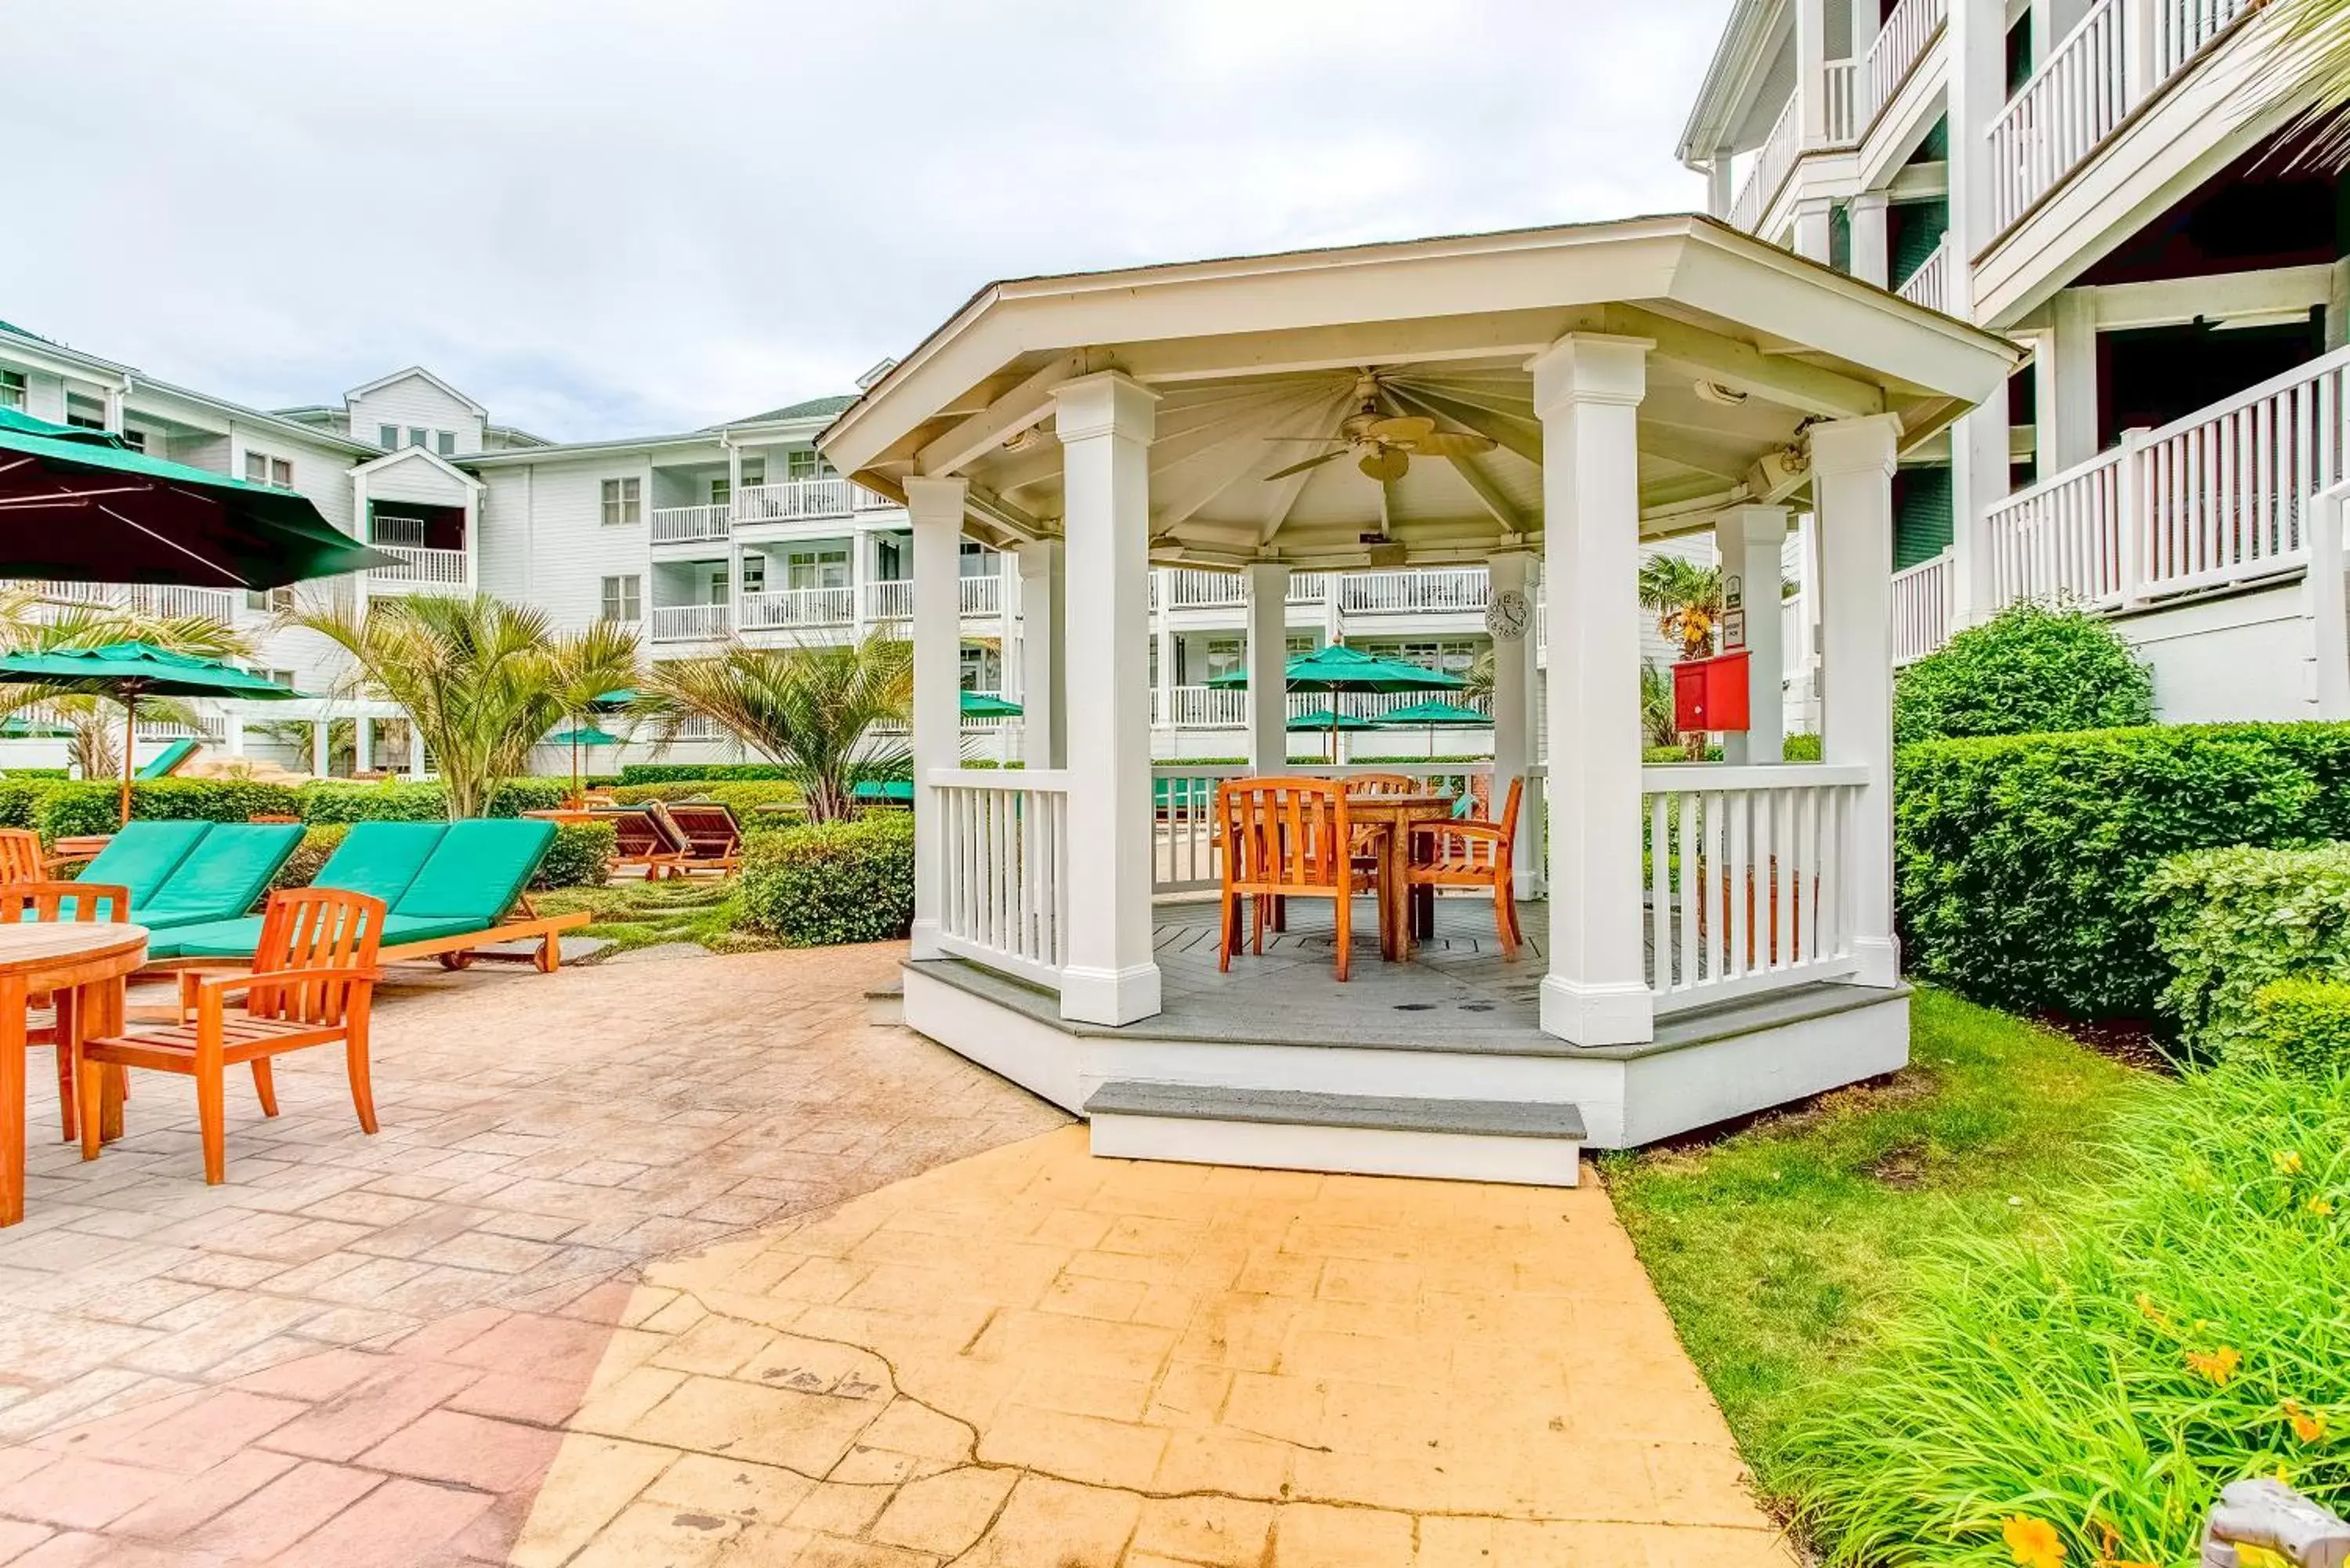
(142, 855)
(220, 877)
(380, 858)
(402, 929)
(479, 871)
(168, 761)
(238, 937)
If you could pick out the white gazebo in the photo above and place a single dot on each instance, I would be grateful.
(1719, 939)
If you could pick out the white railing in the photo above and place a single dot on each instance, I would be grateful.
(1745, 867)
(1836, 80)
(423, 567)
(1899, 45)
(863, 500)
(794, 499)
(982, 595)
(1188, 588)
(2183, 26)
(1929, 286)
(395, 530)
(889, 600)
(783, 608)
(2216, 498)
(1199, 707)
(1773, 164)
(694, 727)
(172, 601)
(62, 593)
(1003, 867)
(198, 727)
(1183, 798)
(1367, 704)
(686, 623)
(689, 525)
(1795, 633)
(1443, 589)
(2072, 103)
(1922, 598)
(1311, 587)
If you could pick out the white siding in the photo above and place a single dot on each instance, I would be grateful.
(415, 478)
(414, 402)
(544, 540)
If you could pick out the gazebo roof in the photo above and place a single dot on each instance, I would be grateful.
(1253, 358)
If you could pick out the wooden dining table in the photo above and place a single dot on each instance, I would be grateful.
(1398, 813)
(85, 965)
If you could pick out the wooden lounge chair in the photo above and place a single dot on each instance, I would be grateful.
(21, 859)
(25, 902)
(312, 983)
(1287, 838)
(643, 836)
(714, 838)
(1469, 852)
(450, 887)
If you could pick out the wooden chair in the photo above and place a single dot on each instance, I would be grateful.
(312, 983)
(21, 859)
(1287, 838)
(23, 901)
(1472, 852)
(1384, 784)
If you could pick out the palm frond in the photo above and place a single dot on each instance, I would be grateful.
(2308, 66)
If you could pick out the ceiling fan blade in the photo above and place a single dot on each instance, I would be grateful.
(1385, 464)
(1453, 443)
(1309, 462)
(1314, 441)
(1402, 428)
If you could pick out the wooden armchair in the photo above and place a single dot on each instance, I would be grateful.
(21, 859)
(312, 983)
(34, 900)
(1287, 838)
(1472, 852)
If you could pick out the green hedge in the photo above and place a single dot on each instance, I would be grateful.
(2229, 921)
(2022, 861)
(399, 800)
(20, 801)
(37, 774)
(65, 810)
(687, 773)
(2302, 1028)
(2029, 669)
(825, 883)
(747, 798)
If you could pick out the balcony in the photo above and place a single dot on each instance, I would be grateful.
(1421, 592)
(796, 500)
(421, 570)
(982, 595)
(688, 623)
(1899, 45)
(1929, 286)
(890, 599)
(1783, 148)
(793, 610)
(689, 525)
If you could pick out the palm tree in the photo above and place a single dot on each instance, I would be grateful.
(31, 624)
(810, 710)
(1657, 726)
(1686, 599)
(481, 679)
(2311, 64)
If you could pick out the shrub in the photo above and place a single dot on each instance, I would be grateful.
(2302, 1027)
(2022, 861)
(744, 798)
(302, 867)
(2027, 671)
(689, 772)
(20, 801)
(825, 883)
(2180, 1330)
(68, 810)
(581, 857)
(400, 800)
(2229, 921)
(37, 774)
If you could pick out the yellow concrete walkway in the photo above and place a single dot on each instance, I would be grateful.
(1037, 1359)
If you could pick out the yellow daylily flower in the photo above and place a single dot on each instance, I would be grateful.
(2032, 1543)
(2215, 1365)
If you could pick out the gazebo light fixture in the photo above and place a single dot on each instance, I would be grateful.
(1715, 392)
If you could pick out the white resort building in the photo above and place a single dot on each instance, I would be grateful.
(2111, 183)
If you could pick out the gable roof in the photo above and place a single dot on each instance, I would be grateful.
(421, 373)
(810, 409)
(424, 454)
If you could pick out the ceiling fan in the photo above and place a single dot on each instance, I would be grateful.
(1383, 443)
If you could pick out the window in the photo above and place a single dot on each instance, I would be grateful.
(754, 471)
(84, 412)
(445, 443)
(418, 437)
(718, 586)
(11, 389)
(275, 677)
(387, 436)
(805, 462)
(621, 502)
(754, 574)
(624, 598)
(816, 566)
(720, 492)
(135, 440)
(260, 468)
(271, 601)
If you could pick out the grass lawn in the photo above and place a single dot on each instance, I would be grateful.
(1779, 1250)
(639, 914)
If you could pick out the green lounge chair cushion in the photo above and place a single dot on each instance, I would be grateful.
(168, 760)
(479, 871)
(237, 939)
(380, 859)
(220, 877)
(142, 855)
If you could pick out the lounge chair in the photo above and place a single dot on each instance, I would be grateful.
(714, 838)
(21, 859)
(643, 836)
(142, 856)
(170, 758)
(224, 874)
(450, 888)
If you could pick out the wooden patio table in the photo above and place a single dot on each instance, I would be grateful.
(86, 964)
(1396, 812)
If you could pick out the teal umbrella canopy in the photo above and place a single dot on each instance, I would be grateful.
(984, 705)
(1322, 718)
(606, 701)
(585, 735)
(1339, 668)
(1435, 710)
(136, 670)
(26, 424)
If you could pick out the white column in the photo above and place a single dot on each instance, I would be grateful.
(363, 745)
(1979, 479)
(1718, 192)
(1040, 653)
(319, 758)
(235, 741)
(2071, 345)
(473, 562)
(114, 396)
(1533, 846)
(1587, 390)
(1811, 70)
(1511, 576)
(1871, 258)
(1104, 424)
(1976, 41)
(2329, 622)
(935, 506)
(1852, 490)
(1814, 234)
(1268, 668)
(1164, 631)
(1751, 540)
(415, 750)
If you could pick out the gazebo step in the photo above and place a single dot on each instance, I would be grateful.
(1386, 1135)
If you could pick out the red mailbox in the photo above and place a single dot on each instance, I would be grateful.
(1711, 694)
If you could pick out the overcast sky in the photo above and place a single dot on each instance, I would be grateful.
(604, 218)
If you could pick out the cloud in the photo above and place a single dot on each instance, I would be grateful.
(608, 216)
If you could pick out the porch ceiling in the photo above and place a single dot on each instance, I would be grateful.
(1254, 358)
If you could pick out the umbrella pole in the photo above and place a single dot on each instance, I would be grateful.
(130, 734)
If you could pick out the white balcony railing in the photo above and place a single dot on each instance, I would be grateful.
(889, 600)
(1310, 587)
(1188, 588)
(1929, 286)
(688, 623)
(1899, 45)
(386, 529)
(2181, 28)
(1199, 707)
(1772, 166)
(1922, 600)
(172, 601)
(422, 568)
(1003, 862)
(794, 499)
(982, 595)
(785, 610)
(1745, 873)
(689, 524)
(1836, 81)
(1415, 592)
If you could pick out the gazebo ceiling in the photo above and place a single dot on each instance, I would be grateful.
(1258, 362)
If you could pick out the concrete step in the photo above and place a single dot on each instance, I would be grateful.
(1535, 1143)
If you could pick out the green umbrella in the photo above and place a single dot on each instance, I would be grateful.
(1329, 721)
(1435, 713)
(1339, 668)
(131, 671)
(585, 735)
(79, 505)
(987, 705)
(607, 700)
